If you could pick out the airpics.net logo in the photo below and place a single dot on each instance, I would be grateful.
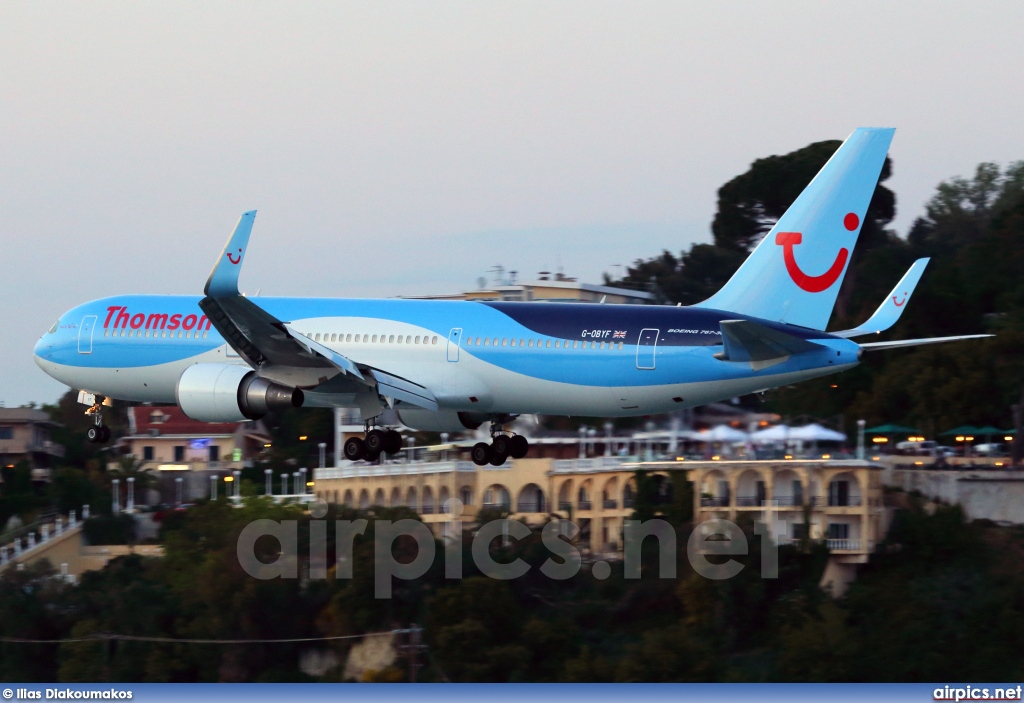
(717, 540)
(978, 693)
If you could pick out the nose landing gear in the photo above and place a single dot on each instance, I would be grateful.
(98, 433)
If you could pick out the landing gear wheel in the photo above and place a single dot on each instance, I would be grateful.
(501, 445)
(392, 442)
(518, 446)
(481, 453)
(355, 449)
(104, 433)
(94, 433)
(497, 459)
(372, 456)
(375, 441)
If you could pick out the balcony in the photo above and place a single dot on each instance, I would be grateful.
(844, 502)
(791, 501)
(564, 505)
(497, 506)
(610, 504)
(584, 505)
(720, 502)
(427, 510)
(530, 506)
(627, 503)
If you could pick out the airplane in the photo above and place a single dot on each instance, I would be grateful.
(454, 365)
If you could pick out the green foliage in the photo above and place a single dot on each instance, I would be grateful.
(109, 529)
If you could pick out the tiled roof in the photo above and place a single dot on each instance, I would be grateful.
(171, 420)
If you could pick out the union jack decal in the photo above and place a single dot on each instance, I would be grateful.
(619, 335)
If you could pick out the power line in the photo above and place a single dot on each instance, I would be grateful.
(185, 640)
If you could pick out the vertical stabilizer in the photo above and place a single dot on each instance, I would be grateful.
(794, 274)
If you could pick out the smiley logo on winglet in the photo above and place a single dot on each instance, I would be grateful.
(232, 259)
(899, 303)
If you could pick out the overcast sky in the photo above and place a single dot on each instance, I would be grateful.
(396, 148)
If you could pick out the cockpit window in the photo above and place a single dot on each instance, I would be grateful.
(54, 328)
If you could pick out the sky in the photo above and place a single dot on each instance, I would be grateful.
(407, 148)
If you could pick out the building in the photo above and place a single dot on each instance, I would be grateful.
(25, 436)
(166, 439)
(547, 288)
(843, 498)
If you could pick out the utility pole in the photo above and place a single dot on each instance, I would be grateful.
(414, 645)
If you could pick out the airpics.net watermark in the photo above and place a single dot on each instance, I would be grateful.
(713, 538)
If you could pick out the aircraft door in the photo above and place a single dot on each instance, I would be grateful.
(85, 334)
(454, 339)
(646, 349)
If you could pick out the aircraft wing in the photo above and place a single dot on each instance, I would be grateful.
(889, 311)
(761, 346)
(875, 346)
(276, 349)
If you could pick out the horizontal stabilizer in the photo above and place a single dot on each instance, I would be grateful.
(875, 346)
(759, 345)
(889, 311)
(223, 279)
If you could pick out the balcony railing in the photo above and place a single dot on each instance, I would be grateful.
(584, 505)
(790, 501)
(850, 502)
(564, 505)
(843, 545)
(611, 504)
(497, 506)
(720, 502)
(627, 503)
(749, 501)
(427, 509)
(530, 506)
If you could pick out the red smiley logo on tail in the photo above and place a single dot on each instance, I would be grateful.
(811, 284)
(815, 284)
(899, 304)
(232, 258)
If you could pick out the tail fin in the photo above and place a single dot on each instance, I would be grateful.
(794, 274)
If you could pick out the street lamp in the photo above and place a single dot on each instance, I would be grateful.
(323, 454)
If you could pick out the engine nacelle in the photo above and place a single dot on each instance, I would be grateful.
(230, 393)
(441, 420)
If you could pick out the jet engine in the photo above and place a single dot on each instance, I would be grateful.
(230, 393)
(441, 420)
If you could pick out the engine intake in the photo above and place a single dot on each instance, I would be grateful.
(230, 393)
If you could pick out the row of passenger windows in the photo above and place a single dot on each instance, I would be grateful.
(375, 338)
(470, 341)
(540, 343)
(156, 334)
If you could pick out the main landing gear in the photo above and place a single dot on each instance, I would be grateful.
(502, 447)
(377, 442)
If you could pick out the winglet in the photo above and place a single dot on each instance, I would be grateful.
(223, 280)
(889, 311)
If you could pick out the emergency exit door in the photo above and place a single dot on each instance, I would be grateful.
(646, 349)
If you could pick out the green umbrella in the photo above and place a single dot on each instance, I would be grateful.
(963, 430)
(892, 429)
(989, 430)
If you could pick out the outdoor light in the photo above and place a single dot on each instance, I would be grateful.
(302, 438)
(826, 456)
(874, 458)
(969, 439)
(229, 479)
(715, 458)
(879, 440)
(1007, 439)
(266, 446)
(309, 483)
(789, 456)
(960, 438)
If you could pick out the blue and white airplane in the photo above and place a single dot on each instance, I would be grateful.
(453, 365)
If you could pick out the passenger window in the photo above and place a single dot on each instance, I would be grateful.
(558, 344)
(602, 345)
(548, 344)
(374, 339)
(487, 341)
(348, 338)
(531, 342)
(513, 343)
(205, 332)
(620, 345)
(576, 344)
(417, 339)
(106, 333)
(316, 337)
(495, 341)
(522, 342)
(391, 339)
(433, 340)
